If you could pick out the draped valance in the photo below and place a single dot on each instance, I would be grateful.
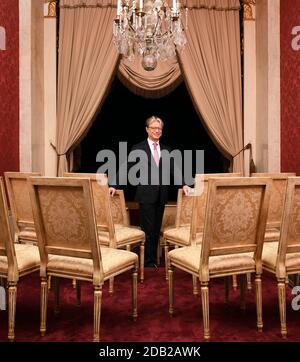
(191, 4)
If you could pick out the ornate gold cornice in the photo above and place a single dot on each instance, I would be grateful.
(248, 13)
(51, 9)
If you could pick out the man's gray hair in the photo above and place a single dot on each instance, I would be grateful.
(154, 119)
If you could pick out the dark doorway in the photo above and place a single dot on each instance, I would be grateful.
(122, 119)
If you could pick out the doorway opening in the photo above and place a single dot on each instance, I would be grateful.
(122, 119)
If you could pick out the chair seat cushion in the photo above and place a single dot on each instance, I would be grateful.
(272, 234)
(114, 262)
(189, 258)
(180, 236)
(124, 235)
(269, 258)
(27, 234)
(28, 259)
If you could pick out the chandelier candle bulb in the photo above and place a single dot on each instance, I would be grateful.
(119, 7)
(175, 6)
(141, 5)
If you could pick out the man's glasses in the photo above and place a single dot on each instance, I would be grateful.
(156, 128)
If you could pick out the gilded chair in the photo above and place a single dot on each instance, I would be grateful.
(19, 199)
(232, 242)
(188, 208)
(16, 261)
(118, 209)
(283, 258)
(65, 220)
(113, 234)
(168, 222)
(278, 187)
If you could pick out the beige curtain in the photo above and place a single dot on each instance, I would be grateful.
(155, 84)
(87, 60)
(211, 64)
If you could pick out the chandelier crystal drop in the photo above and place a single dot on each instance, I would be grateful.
(151, 30)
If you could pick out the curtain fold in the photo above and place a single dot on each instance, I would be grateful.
(211, 65)
(155, 84)
(86, 64)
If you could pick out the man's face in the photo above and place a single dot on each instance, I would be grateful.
(154, 131)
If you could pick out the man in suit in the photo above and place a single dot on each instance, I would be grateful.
(152, 194)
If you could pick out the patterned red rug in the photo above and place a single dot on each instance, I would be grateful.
(227, 322)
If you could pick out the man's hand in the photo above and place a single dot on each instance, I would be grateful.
(186, 189)
(112, 191)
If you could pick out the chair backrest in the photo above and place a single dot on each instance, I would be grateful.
(19, 199)
(199, 199)
(64, 216)
(6, 241)
(184, 209)
(289, 241)
(278, 188)
(235, 217)
(102, 202)
(118, 208)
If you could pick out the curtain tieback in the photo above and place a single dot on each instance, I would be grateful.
(55, 149)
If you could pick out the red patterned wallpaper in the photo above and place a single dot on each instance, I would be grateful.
(290, 85)
(9, 86)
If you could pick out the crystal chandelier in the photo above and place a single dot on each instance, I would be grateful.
(152, 30)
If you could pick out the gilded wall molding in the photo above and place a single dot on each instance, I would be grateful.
(51, 11)
(248, 9)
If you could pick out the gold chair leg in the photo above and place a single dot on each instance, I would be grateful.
(12, 297)
(258, 302)
(49, 282)
(205, 309)
(171, 289)
(243, 292)
(44, 300)
(134, 294)
(97, 312)
(195, 285)
(111, 286)
(249, 282)
(234, 282)
(282, 306)
(56, 294)
(166, 258)
(74, 283)
(142, 261)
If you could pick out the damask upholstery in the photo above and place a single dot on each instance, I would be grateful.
(279, 181)
(110, 210)
(16, 260)
(19, 200)
(232, 242)
(283, 258)
(190, 216)
(65, 220)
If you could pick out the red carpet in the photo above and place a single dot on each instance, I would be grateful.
(228, 322)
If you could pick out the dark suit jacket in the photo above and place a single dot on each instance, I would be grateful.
(149, 191)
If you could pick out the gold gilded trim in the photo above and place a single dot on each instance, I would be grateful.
(248, 12)
(51, 9)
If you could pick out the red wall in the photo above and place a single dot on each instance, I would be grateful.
(9, 87)
(290, 86)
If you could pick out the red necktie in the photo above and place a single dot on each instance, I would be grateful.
(155, 154)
